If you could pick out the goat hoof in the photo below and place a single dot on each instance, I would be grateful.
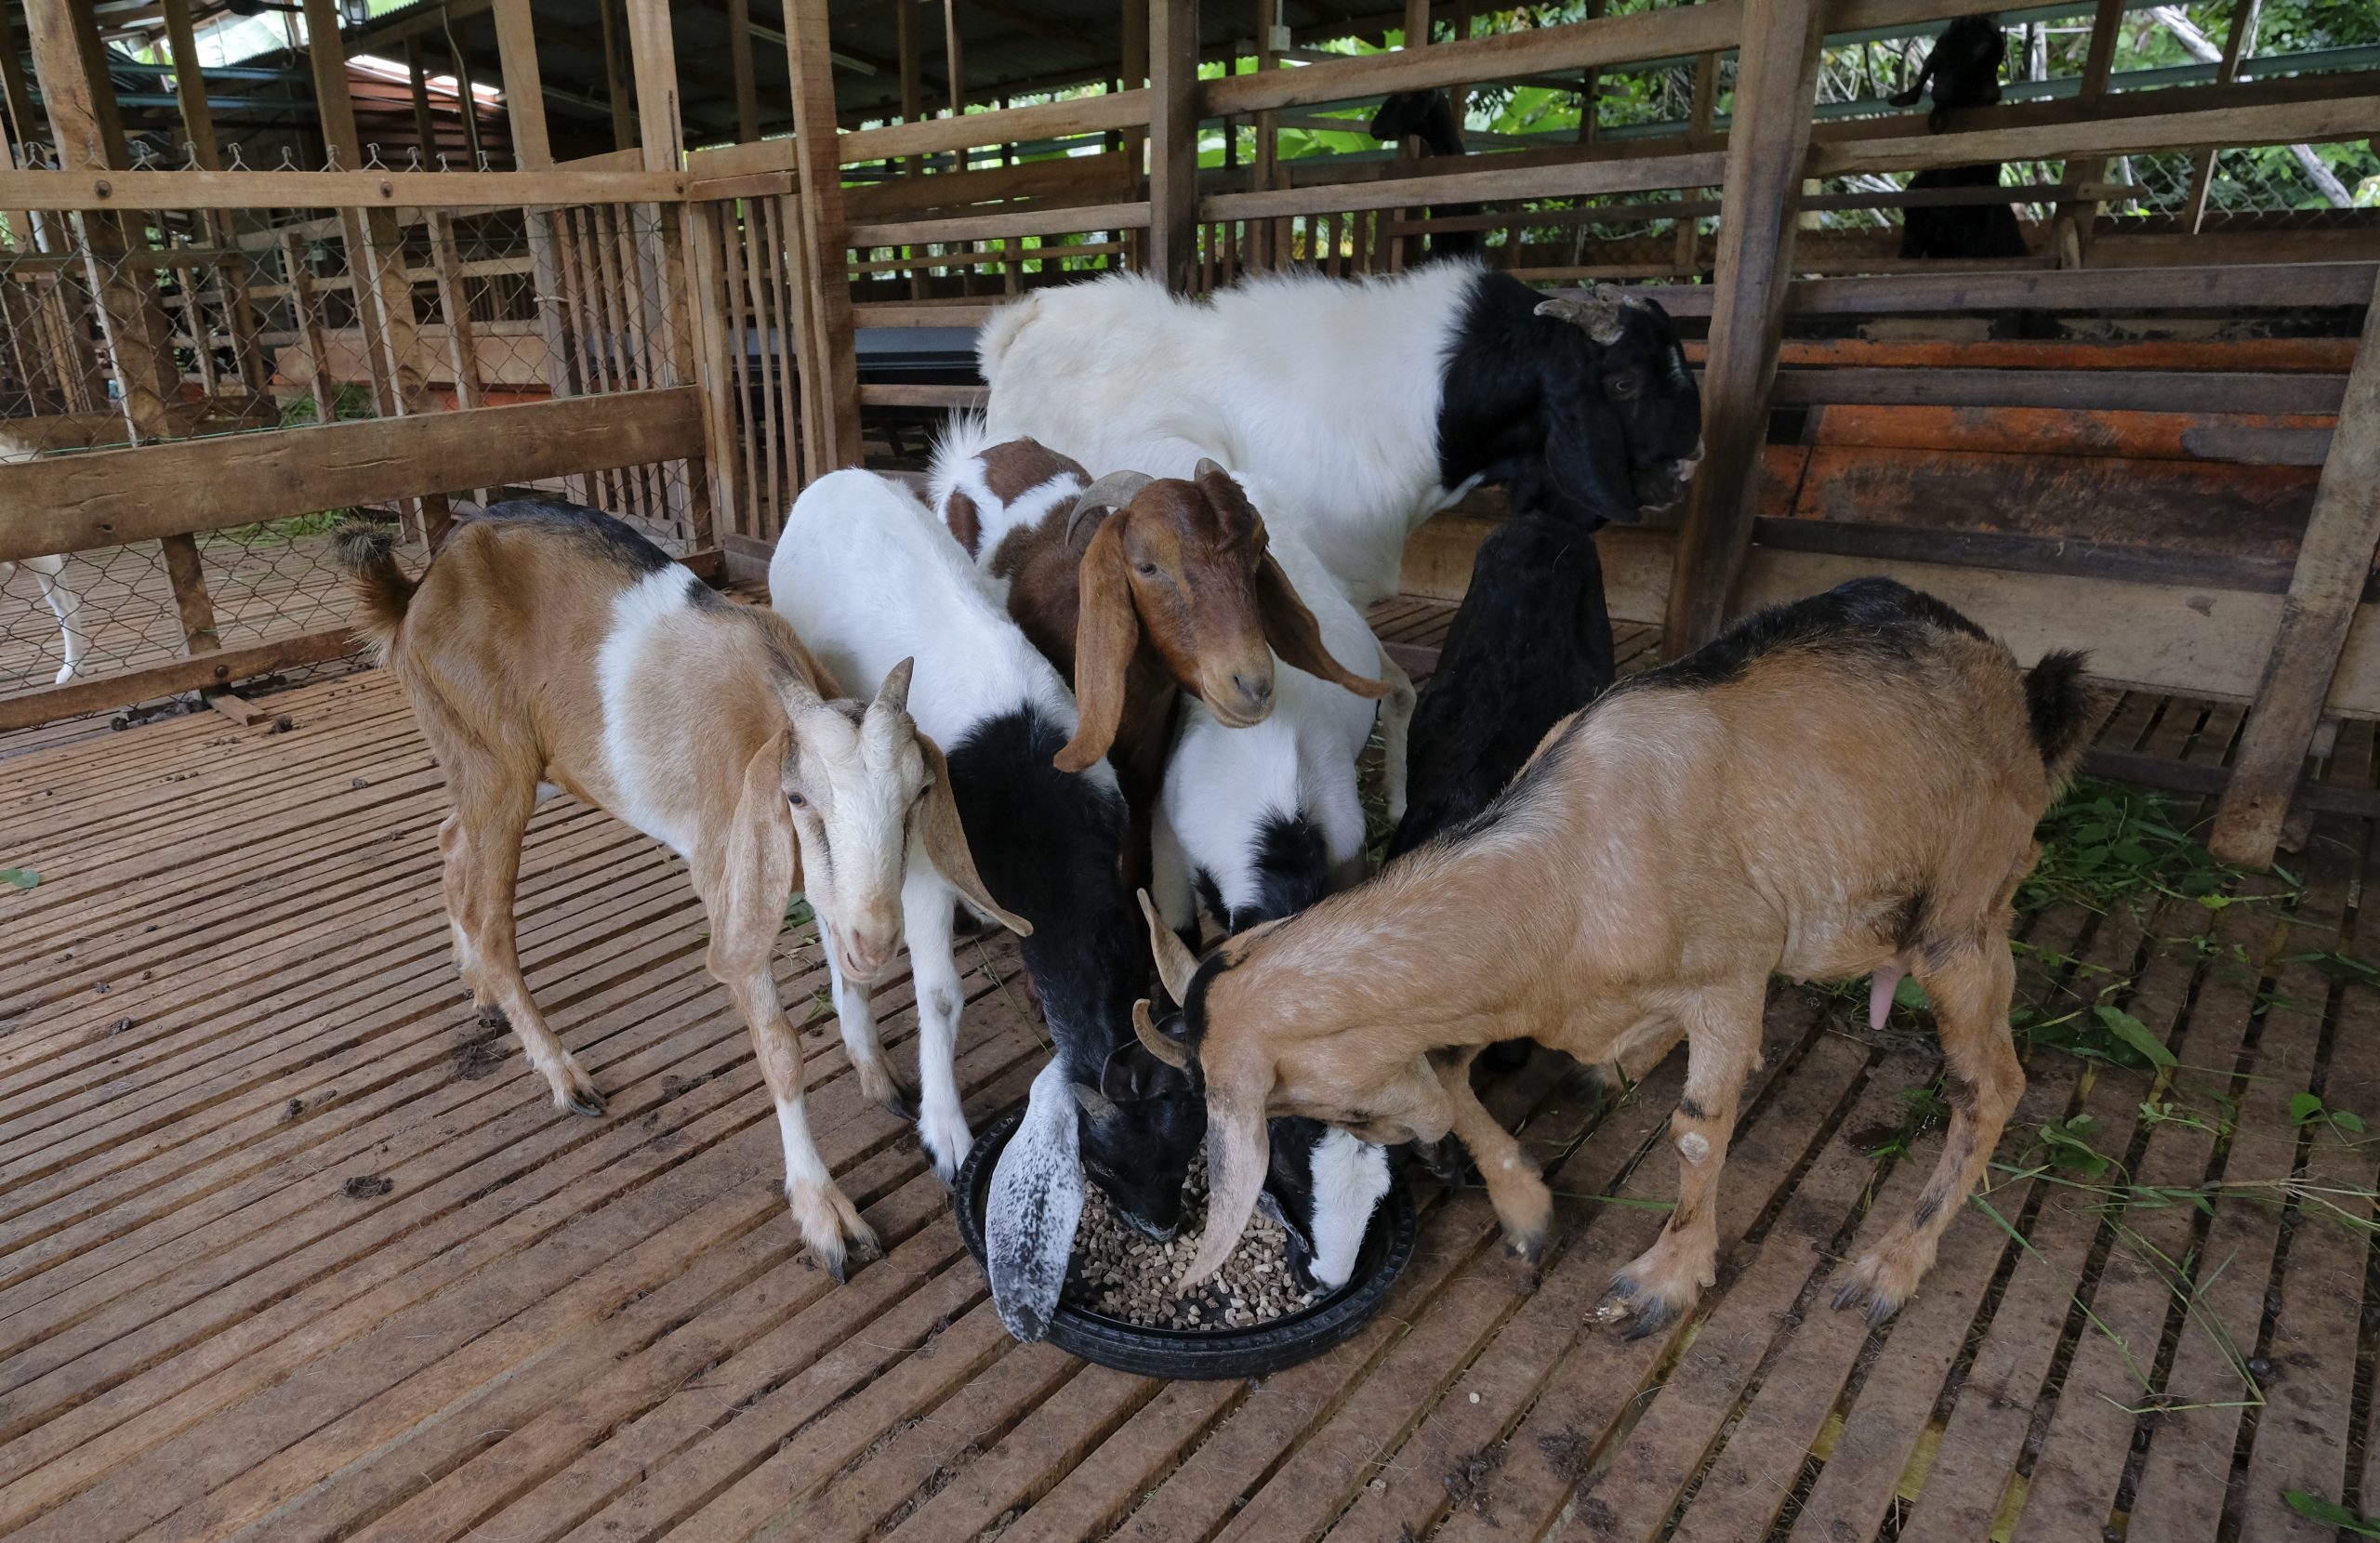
(492, 1017)
(1529, 1250)
(838, 1266)
(590, 1103)
(900, 1098)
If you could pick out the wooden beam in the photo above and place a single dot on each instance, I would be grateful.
(1697, 170)
(1710, 27)
(925, 396)
(1024, 222)
(221, 668)
(525, 100)
(107, 497)
(1775, 88)
(2319, 121)
(616, 85)
(660, 131)
(739, 43)
(1042, 121)
(2076, 390)
(1173, 142)
(330, 190)
(2242, 286)
(2244, 15)
(2333, 563)
(15, 93)
(829, 367)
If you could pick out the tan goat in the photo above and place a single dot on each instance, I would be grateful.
(551, 646)
(1835, 789)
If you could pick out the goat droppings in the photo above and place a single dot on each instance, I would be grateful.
(1120, 1273)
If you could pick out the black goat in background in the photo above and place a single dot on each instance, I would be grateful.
(1963, 67)
(1429, 116)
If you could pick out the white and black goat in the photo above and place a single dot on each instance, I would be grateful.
(49, 573)
(869, 576)
(551, 647)
(1362, 407)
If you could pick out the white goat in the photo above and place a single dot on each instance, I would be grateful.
(49, 572)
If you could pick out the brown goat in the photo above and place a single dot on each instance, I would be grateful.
(549, 646)
(1835, 789)
(1136, 587)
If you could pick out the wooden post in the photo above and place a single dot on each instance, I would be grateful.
(615, 87)
(454, 304)
(2234, 48)
(712, 312)
(2077, 218)
(229, 272)
(1265, 243)
(1686, 254)
(467, 99)
(660, 245)
(1133, 142)
(425, 125)
(524, 103)
(376, 261)
(830, 371)
(739, 44)
(904, 16)
(15, 93)
(1173, 141)
(306, 305)
(2334, 562)
(1776, 86)
(88, 134)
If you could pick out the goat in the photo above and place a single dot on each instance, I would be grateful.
(1529, 645)
(869, 576)
(1834, 787)
(1145, 588)
(551, 646)
(1429, 116)
(1964, 65)
(49, 574)
(1363, 405)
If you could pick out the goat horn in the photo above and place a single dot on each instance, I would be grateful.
(1111, 491)
(1165, 1049)
(1597, 314)
(894, 694)
(1175, 965)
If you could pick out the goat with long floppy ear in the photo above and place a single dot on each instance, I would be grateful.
(1034, 1206)
(1110, 631)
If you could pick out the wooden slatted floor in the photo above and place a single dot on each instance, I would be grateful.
(227, 1020)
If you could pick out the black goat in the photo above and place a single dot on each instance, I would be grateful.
(1965, 67)
(1530, 645)
(1429, 116)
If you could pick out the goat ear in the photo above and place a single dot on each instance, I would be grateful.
(1237, 1157)
(1107, 631)
(1599, 311)
(1133, 1074)
(945, 841)
(1289, 627)
(1032, 1207)
(746, 902)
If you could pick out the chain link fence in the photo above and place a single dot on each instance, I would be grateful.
(249, 321)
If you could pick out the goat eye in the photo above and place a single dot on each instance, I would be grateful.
(1147, 570)
(797, 800)
(1627, 384)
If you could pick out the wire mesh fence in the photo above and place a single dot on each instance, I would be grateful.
(171, 325)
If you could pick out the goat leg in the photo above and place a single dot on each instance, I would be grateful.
(481, 870)
(1396, 725)
(941, 1123)
(1721, 1041)
(1515, 1188)
(829, 1223)
(1970, 991)
(855, 1015)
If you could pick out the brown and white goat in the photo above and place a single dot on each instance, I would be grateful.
(1835, 789)
(1134, 587)
(551, 646)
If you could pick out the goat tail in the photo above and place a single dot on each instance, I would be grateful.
(2064, 711)
(380, 587)
(998, 334)
(964, 436)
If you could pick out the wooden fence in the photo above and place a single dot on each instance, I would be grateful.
(675, 335)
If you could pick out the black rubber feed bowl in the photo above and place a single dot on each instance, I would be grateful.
(1209, 1354)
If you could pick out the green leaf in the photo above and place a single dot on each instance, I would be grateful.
(1909, 994)
(24, 878)
(2303, 1107)
(797, 911)
(2132, 1032)
(2329, 1512)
